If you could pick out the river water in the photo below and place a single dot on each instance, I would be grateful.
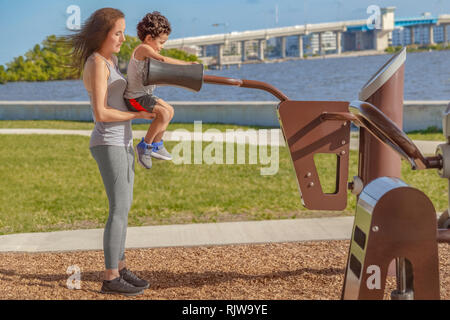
(427, 77)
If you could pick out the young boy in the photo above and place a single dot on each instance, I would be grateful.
(153, 30)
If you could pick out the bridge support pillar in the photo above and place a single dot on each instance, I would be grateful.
(411, 31)
(204, 51)
(338, 42)
(220, 56)
(283, 47)
(243, 55)
(300, 46)
(320, 44)
(261, 44)
(445, 34)
(430, 34)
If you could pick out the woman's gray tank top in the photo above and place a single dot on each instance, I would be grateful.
(112, 133)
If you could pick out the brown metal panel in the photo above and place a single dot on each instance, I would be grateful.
(307, 134)
(406, 222)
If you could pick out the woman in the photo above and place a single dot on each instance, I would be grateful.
(111, 142)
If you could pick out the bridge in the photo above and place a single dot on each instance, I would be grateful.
(300, 41)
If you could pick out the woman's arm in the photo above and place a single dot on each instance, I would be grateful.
(145, 51)
(103, 112)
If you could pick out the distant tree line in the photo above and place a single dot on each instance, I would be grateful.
(419, 48)
(51, 61)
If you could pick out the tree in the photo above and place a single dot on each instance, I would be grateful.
(51, 61)
(132, 42)
(179, 54)
(3, 75)
(127, 49)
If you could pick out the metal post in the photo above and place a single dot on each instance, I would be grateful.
(411, 30)
(404, 281)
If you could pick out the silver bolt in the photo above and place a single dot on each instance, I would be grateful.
(342, 152)
(345, 123)
(343, 142)
(311, 184)
(308, 174)
(375, 229)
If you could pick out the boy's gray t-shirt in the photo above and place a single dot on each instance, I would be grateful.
(137, 74)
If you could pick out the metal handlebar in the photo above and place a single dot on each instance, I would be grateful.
(246, 84)
(364, 114)
(385, 130)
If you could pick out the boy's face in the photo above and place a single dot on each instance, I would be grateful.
(157, 43)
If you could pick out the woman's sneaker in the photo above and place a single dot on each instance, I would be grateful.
(131, 278)
(144, 154)
(160, 152)
(120, 286)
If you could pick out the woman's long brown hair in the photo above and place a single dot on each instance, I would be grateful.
(91, 35)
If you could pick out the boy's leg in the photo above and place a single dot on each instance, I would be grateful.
(145, 148)
(152, 144)
(164, 113)
(148, 103)
(169, 109)
(158, 125)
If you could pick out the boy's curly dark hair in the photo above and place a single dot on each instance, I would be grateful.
(153, 24)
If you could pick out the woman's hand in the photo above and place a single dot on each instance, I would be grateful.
(145, 115)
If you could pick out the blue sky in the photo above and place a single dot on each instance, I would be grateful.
(24, 23)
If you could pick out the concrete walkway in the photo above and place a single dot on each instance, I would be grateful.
(200, 234)
(272, 137)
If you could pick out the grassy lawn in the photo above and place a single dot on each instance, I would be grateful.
(52, 183)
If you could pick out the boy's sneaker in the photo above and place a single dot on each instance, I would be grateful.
(144, 154)
(131, 278)
(160, 152)
(120, 286)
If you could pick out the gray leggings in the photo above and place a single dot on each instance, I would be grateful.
(116, 165)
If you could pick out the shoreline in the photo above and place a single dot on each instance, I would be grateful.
(349, 54)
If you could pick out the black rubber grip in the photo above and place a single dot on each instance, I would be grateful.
(185, 76)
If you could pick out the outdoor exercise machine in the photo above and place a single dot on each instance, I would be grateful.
(393, 221)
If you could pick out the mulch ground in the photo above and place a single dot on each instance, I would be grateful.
(300, 270)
